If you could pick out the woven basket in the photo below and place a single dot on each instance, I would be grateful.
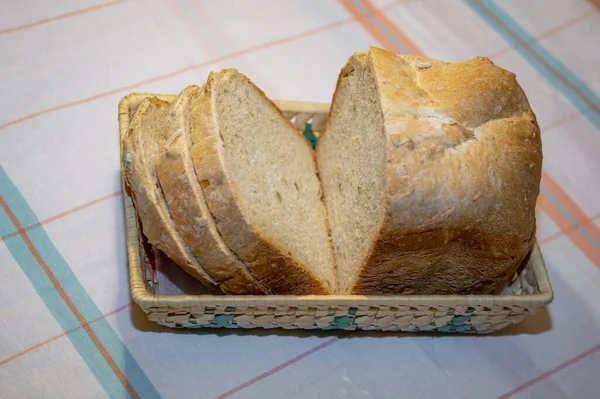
(528, 293)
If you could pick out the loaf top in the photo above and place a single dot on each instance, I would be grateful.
(471, 92)
(463, 139)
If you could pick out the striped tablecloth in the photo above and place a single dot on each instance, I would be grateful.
(68, 329)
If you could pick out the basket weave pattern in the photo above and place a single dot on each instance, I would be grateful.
(529, 292)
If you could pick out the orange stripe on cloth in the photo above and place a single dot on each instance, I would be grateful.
(59, 17)
(549, 32)
(67, 300)
(561, 233)
(384, 40)
(56, 337)
(596, 3)
(280, 367)
(535, 54)
(188, 68)
(63, 214)
(563, 120)
(567, 228)
(569, 205)
(551, 372)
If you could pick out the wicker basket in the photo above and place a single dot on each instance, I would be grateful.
(527, 294)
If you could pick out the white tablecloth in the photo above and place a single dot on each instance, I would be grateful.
(68, 329)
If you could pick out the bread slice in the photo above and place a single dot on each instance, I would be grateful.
(260, 181)
(430, 172)
(140, 145)
(188, 207)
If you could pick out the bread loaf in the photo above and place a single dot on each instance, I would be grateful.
(430, 172)
(424, 181)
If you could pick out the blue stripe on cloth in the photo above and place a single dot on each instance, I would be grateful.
(63, 315)
(382, 28)
(538, 57)
(76, 292)
(574, 222)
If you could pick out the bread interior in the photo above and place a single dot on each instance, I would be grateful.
(351, 159)
(273, 175)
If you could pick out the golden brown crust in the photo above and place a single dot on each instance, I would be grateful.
(463, 171)
(270, 265)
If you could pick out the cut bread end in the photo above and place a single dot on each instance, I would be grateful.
(351, 155)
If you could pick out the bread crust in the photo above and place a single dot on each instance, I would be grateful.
(187, 204)
(274, 268)
(140, 144)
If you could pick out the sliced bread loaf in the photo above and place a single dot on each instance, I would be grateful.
(430, 172)
(259, 178)
(188, 207)
(140, 145)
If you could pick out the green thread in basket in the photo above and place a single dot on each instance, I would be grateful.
(309, 135)
(342, 322)
(460, 320)
(222, 320)
(458, 324)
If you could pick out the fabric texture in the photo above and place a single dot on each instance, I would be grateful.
(68, 327)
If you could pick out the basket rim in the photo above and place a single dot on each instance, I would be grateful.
(146, 299)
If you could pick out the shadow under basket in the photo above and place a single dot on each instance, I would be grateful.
(172, 298)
